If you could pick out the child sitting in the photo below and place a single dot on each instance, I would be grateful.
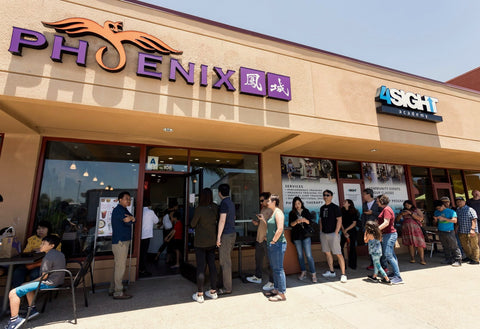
(53, 260)
(373, 237)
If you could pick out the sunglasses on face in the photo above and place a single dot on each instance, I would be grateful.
(327, 195)
(261, 200)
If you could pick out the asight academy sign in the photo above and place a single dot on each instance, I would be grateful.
(252, 82)
(407, 104)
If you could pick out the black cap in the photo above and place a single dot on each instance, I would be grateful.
(460, 198)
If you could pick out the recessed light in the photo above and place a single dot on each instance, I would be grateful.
(196, 159)
(170, 158)
(217, 160)
(130, 160)
(373, 150)
(128, 153)
(153, 175)
(168, 130)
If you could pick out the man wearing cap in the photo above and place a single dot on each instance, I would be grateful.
(446, 219)
(446, 201)
(467, 230)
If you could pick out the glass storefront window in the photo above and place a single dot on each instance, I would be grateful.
(75, 177)
(240, 171)
(349, 169)
(422, 190)
(457, 183)
(167, 159)
(473, 181)
(439, 175)
(1, 142)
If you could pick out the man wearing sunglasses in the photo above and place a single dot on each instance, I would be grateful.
(330, 225)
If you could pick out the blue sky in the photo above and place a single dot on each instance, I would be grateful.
(432, 39)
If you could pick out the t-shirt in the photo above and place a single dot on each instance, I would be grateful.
(178, 227)
(53, 260)
(148, 220)
(228, 207)
(328, 217)
(34, 242)
(205, 223)
(121, 231)
(167, 223)
(375, 247)
(387, 212)
(445, 226)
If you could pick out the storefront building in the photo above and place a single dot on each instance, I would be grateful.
(100, 97)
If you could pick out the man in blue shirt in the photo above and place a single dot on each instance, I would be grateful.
(226, 237)
(467, 230)
(122, 222)
(446, 219)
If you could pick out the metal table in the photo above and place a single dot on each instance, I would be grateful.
(11, 262)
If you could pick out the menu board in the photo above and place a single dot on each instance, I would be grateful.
(104, 217)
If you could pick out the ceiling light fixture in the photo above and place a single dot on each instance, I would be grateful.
(373, 150)
(85, 174)
(95, 179)
(102, 183)
(168, 130)
(73, 166)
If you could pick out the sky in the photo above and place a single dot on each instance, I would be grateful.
(432, 39)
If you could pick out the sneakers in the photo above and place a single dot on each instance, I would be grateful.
(33, 313)
(329, 274)
(15, 324)
(385, 281)
(253, 279)
(210, 295)
(269, 286)
(198, 298)
(372, 278)
(456, 264)
(472, 262)
(343, 278)
(396, 280)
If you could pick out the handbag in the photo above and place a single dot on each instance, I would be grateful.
(9, 244)
(308, 230)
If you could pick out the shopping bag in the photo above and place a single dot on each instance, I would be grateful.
(9, 247)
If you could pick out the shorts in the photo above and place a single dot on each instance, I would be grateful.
(31, 286)
(331, 243)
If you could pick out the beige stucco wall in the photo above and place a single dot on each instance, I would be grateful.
(18, 163)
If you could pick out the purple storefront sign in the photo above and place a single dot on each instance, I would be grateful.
(252, 82)
(279, 87)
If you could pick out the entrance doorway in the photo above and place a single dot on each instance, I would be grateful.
(170, 196)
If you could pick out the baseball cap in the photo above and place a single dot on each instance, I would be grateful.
(446, 198)
(460, 198)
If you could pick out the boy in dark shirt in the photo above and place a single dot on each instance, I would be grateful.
(53, 260)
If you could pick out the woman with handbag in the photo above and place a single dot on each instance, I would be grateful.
(350, 218)
(299, 219)
(412, 235)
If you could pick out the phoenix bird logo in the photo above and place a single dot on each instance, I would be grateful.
(113, 33)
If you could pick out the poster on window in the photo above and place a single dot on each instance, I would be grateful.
(104, 220)
(307, 178)
(386, 179)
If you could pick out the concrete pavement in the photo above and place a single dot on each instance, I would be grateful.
(433, 296)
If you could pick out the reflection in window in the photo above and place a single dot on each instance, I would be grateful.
(473, 181)
(75, 176)
(422, 191)
(439, 175)
(240, 171)
(1, 142)
(349, 169)
(457, 183)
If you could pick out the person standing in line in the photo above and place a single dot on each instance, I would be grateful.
(474, 202)
(373, 237)
(122, 223)
(467, 230)
(261, 245)
(204, 222)
(412, 235)
(349, 230)
(446, 219)
(277, 245)
(370, 212)
(226, 236)
(149, 219)
(386, 221)
(298, 218)
(330, 225)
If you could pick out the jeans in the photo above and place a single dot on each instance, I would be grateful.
(144, 244)
(260, 253)
(450, 246)
(203, 257)
(388, 250)
(276, 252)
(301, 246)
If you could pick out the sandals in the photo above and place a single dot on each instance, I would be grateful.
(302, 276)
(423, 262)
(271, 293)
(314, 278)
(277, 298)
(412, 261)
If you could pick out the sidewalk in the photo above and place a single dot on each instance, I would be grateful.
(433, 296)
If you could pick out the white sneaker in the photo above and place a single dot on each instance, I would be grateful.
(269, 286)
(197, 298)
(210, 295)
(329, 274)
(343, 278)
(254, 279)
